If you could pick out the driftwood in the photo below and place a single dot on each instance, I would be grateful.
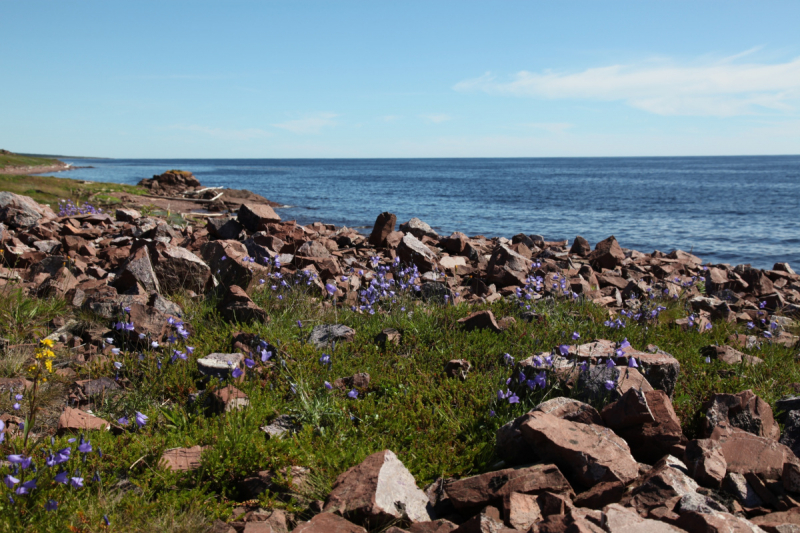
(183, 199)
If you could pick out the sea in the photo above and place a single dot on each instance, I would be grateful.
(723, 209)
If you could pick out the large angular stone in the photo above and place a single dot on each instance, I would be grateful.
(220, 365)
(418, 229)
(412, 251)
(377, 491)
(224, 228)
(730, 355)
(237, 306)
(230, 263)
(590, 454)
(607, 254)
(324, 334)
(619, 519)
(490, 488)
(17, 211)
(384, 225)
(328, 523)
(706, 462)
(580, 246)
(791, 431)
(507, 267)
(480, 320)
(661, 368)
(700, 513)
(254, 216)
(148, 321)
(139, 270)
(780, 522)
(177, 268)
(745, 452)
(182, 459)
(743, 410)
(660, 486)
(77, 420)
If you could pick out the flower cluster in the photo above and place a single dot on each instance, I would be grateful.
(43, 364)
(383, 287)
(69, 208)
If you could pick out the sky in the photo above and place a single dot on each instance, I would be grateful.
(339, 79)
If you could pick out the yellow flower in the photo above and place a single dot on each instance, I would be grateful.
(49, 366)
(47, 342)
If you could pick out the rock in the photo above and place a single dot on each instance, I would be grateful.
(601, 495)
(472, 493)
(520, 510)
(58, 285)
(730, 355)
(229, 398)
(281, 425)
(457, 368)
(148, 321)
(437, 292)
(745, 452)
(791, 477)
(167, 307)
(139, 270)
(480, 320)
(384, 225)
(571, 522)
(664, 483)
(127, 215)
(591, 454)
(224, 228)
(289, 481)
(220, 365)
(77, 420)
(435, 526)
(356, 381)
(619, 519)
(699, 513)
(487, 521)
(388, 336)
(780, 522)
(607, 254)
(456, 243)
(737, 485)
(378, 491)
(706, 462)
(313, 249)
(509, 442)
(237, 306)
(322, 335)
(507, 267)
(418, 229)
(661, 368)
(328, 523)
(791, 432)
(179, 269)
(230, 263)
(580, 246)
(255, 216)
(410, 250)
(171, 183)
(649, 440)
(18, 211)
(743, 410)
(182, 459)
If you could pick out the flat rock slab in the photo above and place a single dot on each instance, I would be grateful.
(591, 454)
(76, 420)
(182, 459)
(321, 336)
(378, 491)
(619, 519)
(745, 452)
(490, 488)
(480, 320)
(328, 523)
(220, 365)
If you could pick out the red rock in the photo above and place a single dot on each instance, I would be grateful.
(256, 216)
(149, 321)
(730, 355)
(743, 410)
(607, 254)
(772, 522)
(182, 459)
(662, 486)
(59, 284)
(520, 511)
(487, 521)
(490, 488)
(77, 420)
(507, 267)
(412, 251)
(384, 225)
(601, 495)
(436, 526)
(591, 454)
(706, 462)
(630, 410)
(570, 409)
(138, 269)
(650, 441)
(568, 523)
(480, 320)
(229, 398)
(378, 490)
(745, 452)
(21, 211)
(619, 519)
(177, 269)
(237, 306)
(456, 243)
(580, 246)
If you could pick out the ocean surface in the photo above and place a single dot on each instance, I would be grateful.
(723, 209)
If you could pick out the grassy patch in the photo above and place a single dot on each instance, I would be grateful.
(15, 160)
(49, 189)
(437, 426)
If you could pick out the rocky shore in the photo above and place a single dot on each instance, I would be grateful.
(566, 465)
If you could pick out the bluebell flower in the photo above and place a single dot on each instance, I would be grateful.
(51, 505)
(353, 394)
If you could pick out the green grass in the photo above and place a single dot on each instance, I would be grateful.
(15, 160)
(49, 189)
(437, 426)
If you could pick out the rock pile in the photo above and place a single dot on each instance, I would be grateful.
(171, 183)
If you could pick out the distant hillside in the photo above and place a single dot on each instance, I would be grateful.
(10, 160)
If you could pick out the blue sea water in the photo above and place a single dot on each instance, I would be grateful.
(723, 209)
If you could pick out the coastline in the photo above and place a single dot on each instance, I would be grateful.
(33, 170)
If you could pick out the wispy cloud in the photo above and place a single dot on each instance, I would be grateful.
(436, 118)
(312, 124)
(226, 134)
(719, 88)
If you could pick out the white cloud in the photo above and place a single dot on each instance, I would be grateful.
(721, 88)
(436, 118)
(310, 125)
(219, 133)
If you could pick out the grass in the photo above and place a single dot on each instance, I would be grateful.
(49, 189)
(15, 160)
(437, 426)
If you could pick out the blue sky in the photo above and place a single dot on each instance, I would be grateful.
(172, 79)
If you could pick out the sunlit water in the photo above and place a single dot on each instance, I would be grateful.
(724, 209)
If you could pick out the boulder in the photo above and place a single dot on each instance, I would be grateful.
(328, 523)
(127, 215)
(229, 398)
(580, 246)
(791, 432)
(384, 225)
(619, 519)
(701, 513)
(313, 249)
(220, 365)
(660, 487)
(412, 251)
(457, 368)
(507, 267)
(590, 454)
(661, 368)
(480, 320)
(177, 268)
(139, 270)
(255, 217)
(224, 228)
(230, 263)
(237, 306)
(476, 492)
(378, 491)
(324, 334)
(171, 183)
(18, 211)
(730, 355)
(745, 452)
(705, 462)
(601, 495)
(418, 229)
(607, 255)
(743, 410)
